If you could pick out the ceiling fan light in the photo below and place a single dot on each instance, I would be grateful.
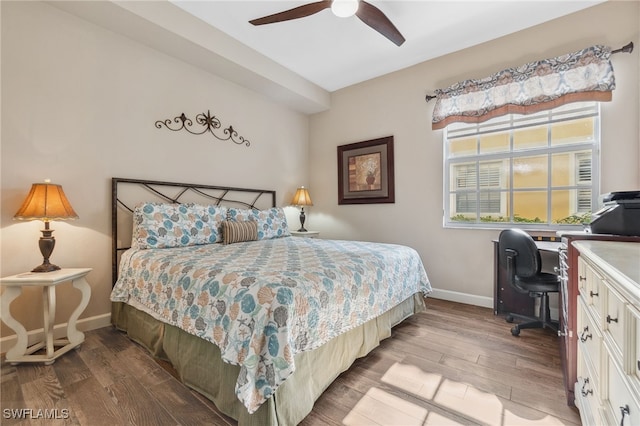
(344, 8)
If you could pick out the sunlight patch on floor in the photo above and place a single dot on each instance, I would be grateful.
(435, 419)
(380, 407)
(412, 379)
(475, 404)
(511, 418)
(450, 396)
(455, 397)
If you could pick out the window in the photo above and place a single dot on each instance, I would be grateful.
(537, 170)
(466, 184)
(583, 177)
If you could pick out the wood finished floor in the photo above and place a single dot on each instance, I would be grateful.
(454, 364)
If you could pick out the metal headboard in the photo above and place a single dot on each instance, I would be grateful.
(127, 193)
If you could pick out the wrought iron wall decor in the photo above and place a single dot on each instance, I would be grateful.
(210, 124)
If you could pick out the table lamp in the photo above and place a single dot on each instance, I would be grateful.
(301, 199)
(46, 202)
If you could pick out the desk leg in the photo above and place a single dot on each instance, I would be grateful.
(73, 334)
(20, 348)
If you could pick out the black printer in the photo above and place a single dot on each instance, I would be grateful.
(620, 214)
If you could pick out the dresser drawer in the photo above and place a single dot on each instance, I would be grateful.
(587, 394)
(633, 364)
(582, 275)
(591, 286)
(614, 319)
(621, 407)
(589, 340)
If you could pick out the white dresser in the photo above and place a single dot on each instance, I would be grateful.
(607, 391)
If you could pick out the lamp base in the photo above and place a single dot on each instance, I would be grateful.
(46, 243)
(46, 267)
(302, 218)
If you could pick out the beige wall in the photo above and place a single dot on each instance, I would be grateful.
(459, 262)
(79, 105)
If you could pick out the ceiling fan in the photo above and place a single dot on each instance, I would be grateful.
(368, 13)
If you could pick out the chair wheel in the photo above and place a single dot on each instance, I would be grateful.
(509, 318)
(515, 330)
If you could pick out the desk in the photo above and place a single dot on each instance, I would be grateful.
(505, 298)
(548, 246)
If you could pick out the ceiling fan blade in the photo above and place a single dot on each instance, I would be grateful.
(373, 17)
(295, 13)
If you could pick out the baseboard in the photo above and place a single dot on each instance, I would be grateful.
(59, 331)
(472, 299)
(469, 299)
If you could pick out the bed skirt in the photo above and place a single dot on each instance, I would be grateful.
(200, 366)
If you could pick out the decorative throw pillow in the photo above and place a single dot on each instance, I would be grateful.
(237, 232)
(162, 225)
(272, 223)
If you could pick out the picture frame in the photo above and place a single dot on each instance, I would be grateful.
(366, 172)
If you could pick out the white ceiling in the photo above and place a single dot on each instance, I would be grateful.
(335, 52)
(299, 63)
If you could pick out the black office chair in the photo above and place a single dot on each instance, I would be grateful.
(519, 255)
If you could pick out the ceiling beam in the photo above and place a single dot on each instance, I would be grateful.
(171, 30)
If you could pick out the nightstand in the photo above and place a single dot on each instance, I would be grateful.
(307, 234)
(48, 281)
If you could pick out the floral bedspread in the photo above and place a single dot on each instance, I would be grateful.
(261, 302)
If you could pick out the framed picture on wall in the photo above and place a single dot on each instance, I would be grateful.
(365, 172)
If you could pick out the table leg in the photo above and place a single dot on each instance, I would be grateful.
(49, 305)
(73, 334)
(20, 348)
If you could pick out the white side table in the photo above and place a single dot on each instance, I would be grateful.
(307, 234)
(48, 281)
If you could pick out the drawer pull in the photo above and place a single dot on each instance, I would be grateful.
(584, 391)
(584, 337)
(581, 278)
(592, 294)
(610, 320)
(624, 411)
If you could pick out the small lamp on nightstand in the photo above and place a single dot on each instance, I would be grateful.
(46, 202)
(302, 198)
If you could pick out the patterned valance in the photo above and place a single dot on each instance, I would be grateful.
(586, 75)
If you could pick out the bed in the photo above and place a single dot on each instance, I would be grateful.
(258, 321)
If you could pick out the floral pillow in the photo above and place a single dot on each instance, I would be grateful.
(272, 223)
(158, 225)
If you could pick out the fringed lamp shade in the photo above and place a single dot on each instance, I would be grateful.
(46, 202)
(302, 198)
